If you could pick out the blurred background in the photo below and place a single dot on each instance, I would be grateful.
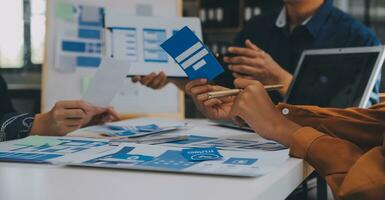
(22, 41)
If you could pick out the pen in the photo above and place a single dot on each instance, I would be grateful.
(232, 92)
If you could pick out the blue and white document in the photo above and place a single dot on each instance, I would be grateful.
(171, 159)
(192, 55)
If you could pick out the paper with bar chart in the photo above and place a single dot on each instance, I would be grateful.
(137, 39)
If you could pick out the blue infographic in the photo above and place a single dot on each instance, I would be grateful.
(27, 157)
(194, 160)
(192, 55)
(44, 152)
(152, 39)
(79, 42)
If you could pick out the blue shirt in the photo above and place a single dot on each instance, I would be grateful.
(329, 27)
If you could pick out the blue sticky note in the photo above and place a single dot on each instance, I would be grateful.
(201, 154)
(192, 55)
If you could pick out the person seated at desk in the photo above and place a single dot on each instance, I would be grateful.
(270, 45)
(65, 116)
(345, 146)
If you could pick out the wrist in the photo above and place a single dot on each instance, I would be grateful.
(285, 79)
(284, 132)
(39, 125)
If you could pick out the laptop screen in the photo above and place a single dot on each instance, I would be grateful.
(332, 80)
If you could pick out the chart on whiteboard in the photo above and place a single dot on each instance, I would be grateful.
(79, 31)
(138, 39)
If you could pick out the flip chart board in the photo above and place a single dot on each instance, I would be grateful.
(75, 43)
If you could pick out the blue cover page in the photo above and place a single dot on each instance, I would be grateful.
(192, 55)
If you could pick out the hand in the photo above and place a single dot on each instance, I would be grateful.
(254, 106)
(212, 108)
(254, 64)
(67, 116)
(158, 81)
(152, 80)
(110, 115)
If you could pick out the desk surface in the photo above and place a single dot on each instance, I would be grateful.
(47, 182)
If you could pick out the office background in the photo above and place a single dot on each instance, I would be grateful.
(22, 42)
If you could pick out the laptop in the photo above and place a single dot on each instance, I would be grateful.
(336, 78)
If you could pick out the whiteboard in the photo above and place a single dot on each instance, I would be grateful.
(72, 54)
(137, 39)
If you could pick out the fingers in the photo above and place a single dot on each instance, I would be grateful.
(243, 83)
(240, 60)
(159, 81)
(136, 79)
(114, 116)
(74, 104)
(241, 51)
(193, 84)
(251, 45)
(147, 79)
(152, 80)
(245, 69)
(212, 102)
(236, 75)
(71, 114)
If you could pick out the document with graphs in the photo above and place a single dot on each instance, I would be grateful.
(172, 159)
(137, 39)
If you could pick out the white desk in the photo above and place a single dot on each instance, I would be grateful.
(48, 182)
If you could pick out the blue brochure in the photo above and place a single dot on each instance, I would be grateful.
(192, 55)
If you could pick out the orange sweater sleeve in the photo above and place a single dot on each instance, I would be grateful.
(363, 127)
(349, 171)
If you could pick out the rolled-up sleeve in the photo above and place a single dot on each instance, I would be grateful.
(15, 125)
(363, 127)
(351, 173)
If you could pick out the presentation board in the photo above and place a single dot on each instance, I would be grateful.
(75, 44)
(138, 40)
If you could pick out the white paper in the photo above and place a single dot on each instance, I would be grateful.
(107, 82)
(159, 158)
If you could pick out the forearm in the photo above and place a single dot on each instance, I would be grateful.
(15, 126)
(363, 127)
(348, 171)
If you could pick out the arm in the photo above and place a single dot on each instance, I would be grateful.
(13, 125)
(351, 173)
(363, 127)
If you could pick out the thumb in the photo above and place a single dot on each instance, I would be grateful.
(115, 116)
(251, 45)
(242, 83)
(136, 79)
(99, 110)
